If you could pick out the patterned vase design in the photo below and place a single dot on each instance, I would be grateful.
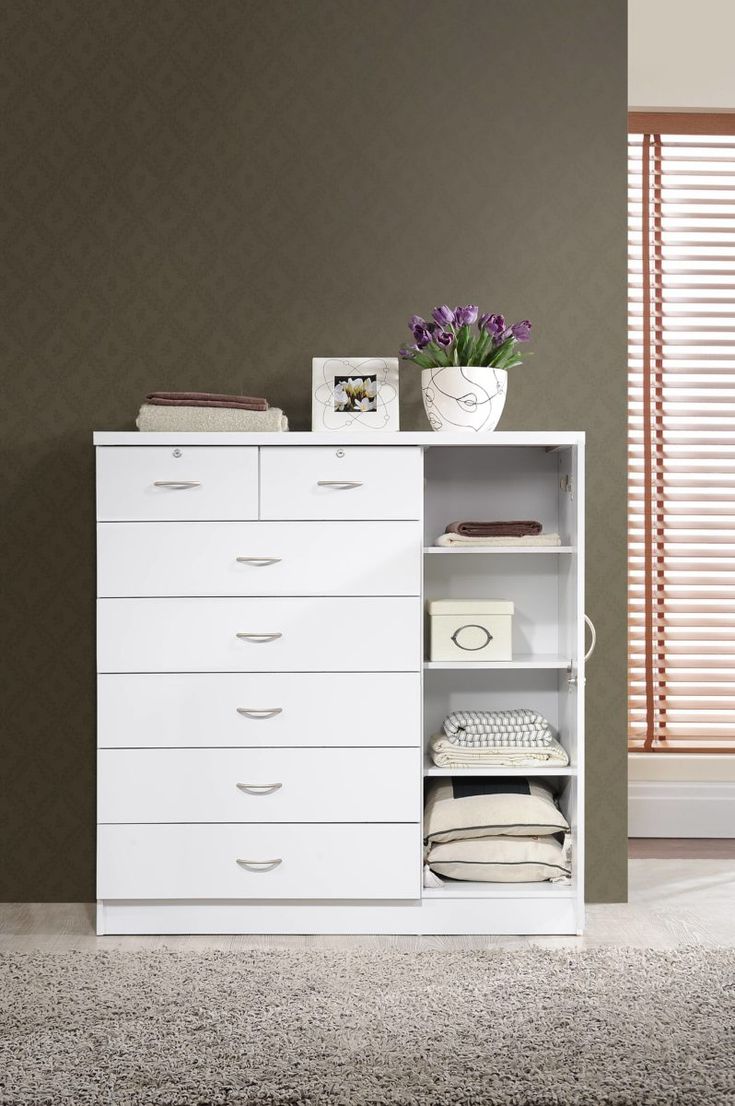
(459, 397)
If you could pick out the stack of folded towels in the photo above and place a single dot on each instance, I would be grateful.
(208, 411)
(518, 532)
(501, 830)
(516, 738)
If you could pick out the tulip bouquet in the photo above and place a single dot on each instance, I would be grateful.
(461, 336)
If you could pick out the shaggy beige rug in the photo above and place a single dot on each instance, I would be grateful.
(304, 1028)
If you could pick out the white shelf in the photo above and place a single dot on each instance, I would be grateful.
(494, 550)
(524, 660)
(430, 769)
(461, 889)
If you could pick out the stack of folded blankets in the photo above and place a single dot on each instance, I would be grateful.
(519, 532)
(501, 830)
(208, 411)
(516, 738)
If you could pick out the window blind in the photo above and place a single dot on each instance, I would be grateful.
(682, 436)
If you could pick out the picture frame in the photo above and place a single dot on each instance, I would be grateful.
(354, 393)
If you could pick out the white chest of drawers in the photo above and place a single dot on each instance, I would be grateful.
(263, 702)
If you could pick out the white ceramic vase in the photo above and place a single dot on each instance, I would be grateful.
(461, 397)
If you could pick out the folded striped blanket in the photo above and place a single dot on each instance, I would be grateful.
(480, 728)
(447, 754)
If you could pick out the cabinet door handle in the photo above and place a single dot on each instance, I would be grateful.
(343, 485)
(177, 484)
(259, 788)
(259, 639)
(259, 865)
(267, 712)
(259, 562)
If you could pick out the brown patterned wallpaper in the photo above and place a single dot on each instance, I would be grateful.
(202, 194)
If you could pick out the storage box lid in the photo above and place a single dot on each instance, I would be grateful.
(470, 606)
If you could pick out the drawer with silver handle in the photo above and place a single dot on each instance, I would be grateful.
(259, 635)
(269, 709)
(349, 861)
(341, 482)
(259, 785)
(163, 483)
(259, 558)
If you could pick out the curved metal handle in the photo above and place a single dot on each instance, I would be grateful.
(267, 712)
(471, 626)
(259, 788)
(259, 639)
(343, 485)
(259, 562)
(593, 643)
(177, 484)
(259, 865)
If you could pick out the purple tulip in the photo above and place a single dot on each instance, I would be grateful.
(465, 316)
(521, 331)
(443, 339)
(407, 352)
(493, 324)
(422, 336)
(415, 321)
(444, 315)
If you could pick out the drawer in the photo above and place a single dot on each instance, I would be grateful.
(252, 711)
(341, 482)
(259, 558)
(259, 785)
(164, 483)
(259, 635)
(286, 862)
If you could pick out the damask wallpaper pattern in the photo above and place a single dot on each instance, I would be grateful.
(203, 194)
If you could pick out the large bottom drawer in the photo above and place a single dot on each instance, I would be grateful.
(259, 862)
(259, 785)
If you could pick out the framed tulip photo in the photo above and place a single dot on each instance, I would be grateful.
(354, 393)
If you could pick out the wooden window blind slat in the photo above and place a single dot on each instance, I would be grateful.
(681, 434)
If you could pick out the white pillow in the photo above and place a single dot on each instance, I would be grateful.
(501, 859)
(472, 806)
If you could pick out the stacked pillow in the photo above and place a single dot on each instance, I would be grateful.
(495, 830)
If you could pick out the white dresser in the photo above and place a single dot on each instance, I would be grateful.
(263, 701)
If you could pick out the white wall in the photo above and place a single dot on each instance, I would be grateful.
(681, 54)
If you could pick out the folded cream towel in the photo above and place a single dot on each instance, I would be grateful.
(205, 419)
(446, 754)
(529, 539)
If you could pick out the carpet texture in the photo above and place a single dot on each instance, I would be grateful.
(286, 1027)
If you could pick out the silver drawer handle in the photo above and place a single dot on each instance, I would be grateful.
(177, 484)
(259, 865)
(342, 484)
(267, 712)
(259, 788)
(260, 639)
(259, 562)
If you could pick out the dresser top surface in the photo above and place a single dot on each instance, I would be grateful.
(305, 438)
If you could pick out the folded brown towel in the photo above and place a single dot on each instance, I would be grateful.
(206, 399)
(518, 528)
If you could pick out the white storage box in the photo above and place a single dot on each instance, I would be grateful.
(471, 630)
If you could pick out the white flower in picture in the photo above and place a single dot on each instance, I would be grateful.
(354, 393)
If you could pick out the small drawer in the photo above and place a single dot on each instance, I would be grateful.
(259, 558)
(164, 483)
(270, 709)
(341, 482)
(259, 635)
(259, 862)
(259, 785)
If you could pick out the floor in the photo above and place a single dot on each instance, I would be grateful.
(672, 902)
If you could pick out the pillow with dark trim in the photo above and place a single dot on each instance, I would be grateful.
(501, 859)
(471, 806)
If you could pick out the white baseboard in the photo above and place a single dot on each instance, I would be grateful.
(665, 808)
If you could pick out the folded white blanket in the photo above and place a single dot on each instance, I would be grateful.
(174, 419)
(519, 727)
(446, 754)
(530, 539)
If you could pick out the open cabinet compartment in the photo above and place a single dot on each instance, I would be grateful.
(545, 584)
